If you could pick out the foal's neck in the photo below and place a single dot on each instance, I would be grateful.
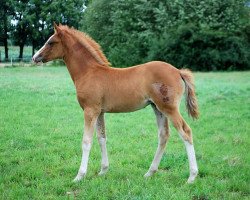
(79, 61)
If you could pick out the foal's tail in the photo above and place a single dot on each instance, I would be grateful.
(191, 101)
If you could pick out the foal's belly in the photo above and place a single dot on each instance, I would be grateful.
(126, 105)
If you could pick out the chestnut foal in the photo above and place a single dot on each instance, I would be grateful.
(101, 88)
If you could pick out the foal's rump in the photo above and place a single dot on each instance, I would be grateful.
(165, 85)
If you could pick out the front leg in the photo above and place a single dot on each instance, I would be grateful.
(90, 117)
(100, 129)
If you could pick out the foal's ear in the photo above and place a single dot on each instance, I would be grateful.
(56, 28)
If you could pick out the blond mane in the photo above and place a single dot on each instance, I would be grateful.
(85, 40)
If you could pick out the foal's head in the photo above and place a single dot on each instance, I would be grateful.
(52, 49)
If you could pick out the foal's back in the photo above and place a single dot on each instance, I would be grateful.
(135, 87)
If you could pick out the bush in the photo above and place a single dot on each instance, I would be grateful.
(202, 35)
(201, 49)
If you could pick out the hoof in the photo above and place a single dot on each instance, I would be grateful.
(149, 173)
(190, 180)
(78, 178)
(103, 171)
(192, 177)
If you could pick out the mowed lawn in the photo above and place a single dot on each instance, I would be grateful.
(41, 127)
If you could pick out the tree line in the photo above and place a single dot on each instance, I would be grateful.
(30, 22)
(200, 34)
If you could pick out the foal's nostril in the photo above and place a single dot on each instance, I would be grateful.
(34, 59)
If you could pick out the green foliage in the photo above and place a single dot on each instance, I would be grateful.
(98, 23)
(41, 127)
(133, 32)
(44, 13)
(6, 12)
(34, 19)
(202, 50)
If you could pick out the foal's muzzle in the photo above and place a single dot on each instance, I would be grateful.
(37, 59)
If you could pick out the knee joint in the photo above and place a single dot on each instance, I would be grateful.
(86, 144)
(101, 139)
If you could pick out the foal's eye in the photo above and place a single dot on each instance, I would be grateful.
(51, 43)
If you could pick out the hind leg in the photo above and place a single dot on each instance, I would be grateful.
(100, 129)
(163, 135)
(185, 133)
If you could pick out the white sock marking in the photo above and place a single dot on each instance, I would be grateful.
(192, 161)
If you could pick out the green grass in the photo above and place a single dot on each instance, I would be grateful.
(41, 127)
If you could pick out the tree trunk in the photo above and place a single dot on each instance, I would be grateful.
(6, 50)
(33, 47)
(5, 38)
(21, 51)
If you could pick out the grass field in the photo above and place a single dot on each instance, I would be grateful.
(41, 127)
